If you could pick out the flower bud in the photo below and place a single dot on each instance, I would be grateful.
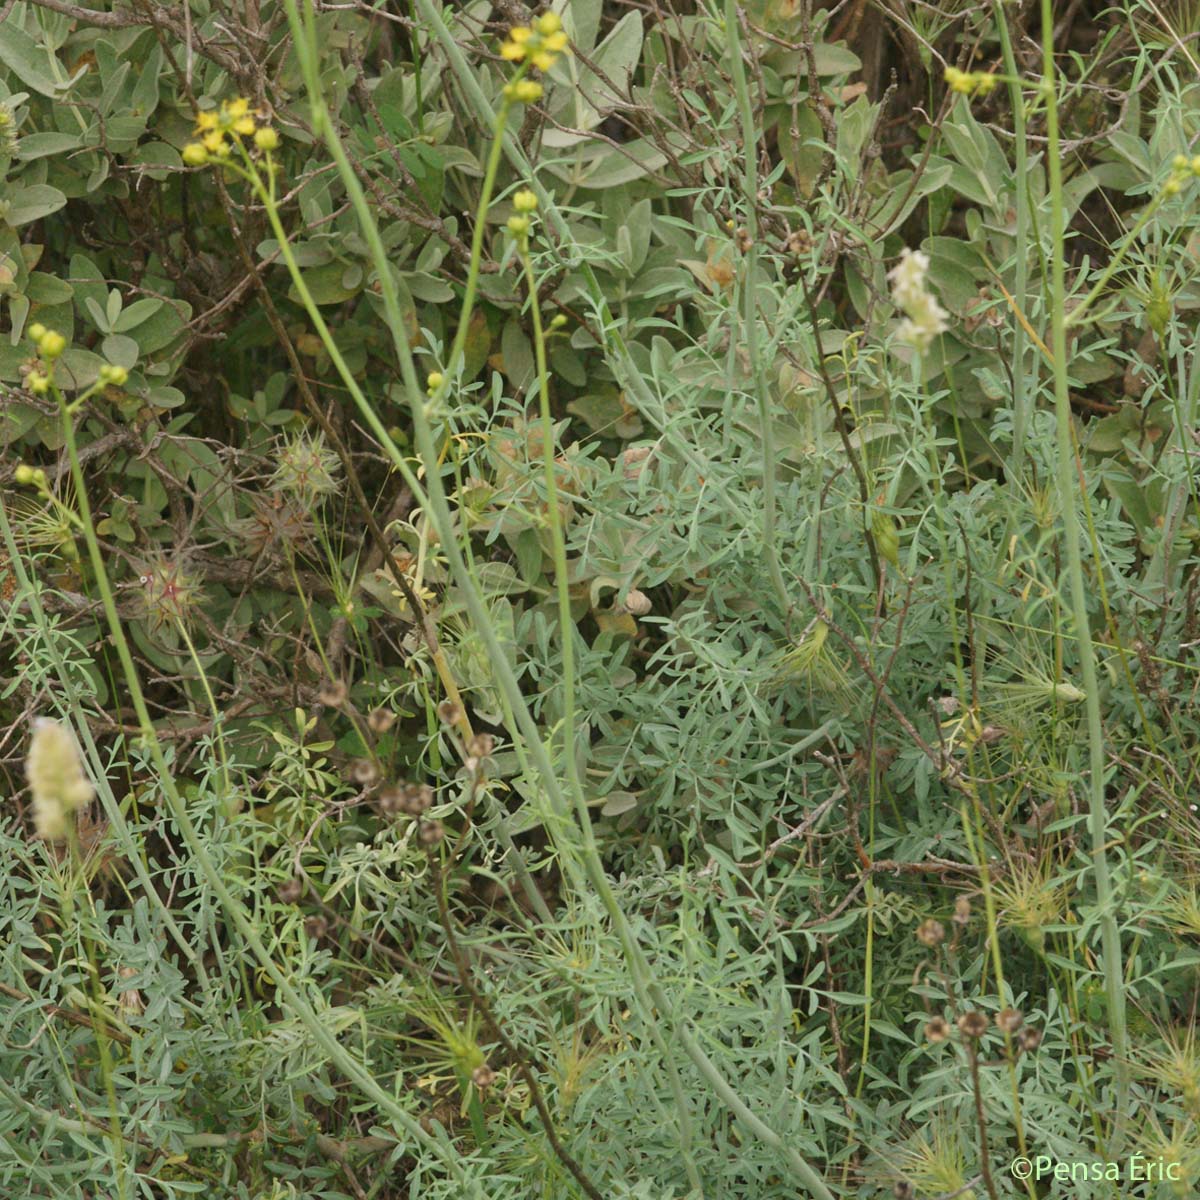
(266, 139)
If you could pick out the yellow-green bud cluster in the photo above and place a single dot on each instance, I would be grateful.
(540, 42)
(49, 343)
(970, 83)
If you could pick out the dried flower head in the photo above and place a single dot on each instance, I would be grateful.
(129, 1000)
(418, 798)
(306, 469)
(483, 1077)
(931, 932)
(962, 910)
(364, 772)
(291, 890)
(1009, 1020)
(391, 800)
(316, 926)
(449, 712)
(973, 1024)
(57, 784)
(169, 594)
(924, 318)
(937, 1029)
(431, 833)
(333, 693)
(481, 745)
(380, 720)
(1029, 1039)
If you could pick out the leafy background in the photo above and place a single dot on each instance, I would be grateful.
(783, 793)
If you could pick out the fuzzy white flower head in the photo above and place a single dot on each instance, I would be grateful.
(57, 783)
(924, 318)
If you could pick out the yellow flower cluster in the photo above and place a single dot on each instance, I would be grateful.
(541, 43)
(1182, 170)
(970, 83)
(525, 202)
(219, 129)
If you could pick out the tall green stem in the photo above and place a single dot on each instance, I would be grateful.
(1068, 487)
(750, 301)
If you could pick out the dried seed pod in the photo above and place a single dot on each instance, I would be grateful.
(637, 603)
(290, 890)
(931, 933)
(316, 926)
(1029, 1039)
(380, 720)
(937, 1029)
(483, 1077)
(430, 833)
(333, 693)
(449, 712)
(962, 910)
(391, 800)
(364, 772)
(418, 798)
(1009, 1020)
(481, 745)
(973, 1024)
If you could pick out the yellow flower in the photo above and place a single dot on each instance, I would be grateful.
(213, 142)
(525, 201)
(556, 41)
(434, 381)
(959, 81)
(512, 51)
(984, 82)
(549, 23)
(237, 108)
(527, 92)
(266, 139)
(243, 126)
(518, 226)
(206, 120)
(520, 35)
(543, 60)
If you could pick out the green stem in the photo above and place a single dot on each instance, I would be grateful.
(750, 302)
(1068, 485)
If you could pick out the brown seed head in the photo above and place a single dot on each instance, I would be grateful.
(931, 932)
(449, 713)
(973, 1024)
(1029, 1039)
(364, 772)
(391, 800)
(380, 720)
(316, 926)
(937, 1029)
(431, 833)
(962, 910)
(481, 745)
(291, 890)
(418, 798)
(483, 1077)
(1009, 1020)
(333, 693)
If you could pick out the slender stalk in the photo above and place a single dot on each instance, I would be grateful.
(750, 301)
(1068, 486)
(1022, 391)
